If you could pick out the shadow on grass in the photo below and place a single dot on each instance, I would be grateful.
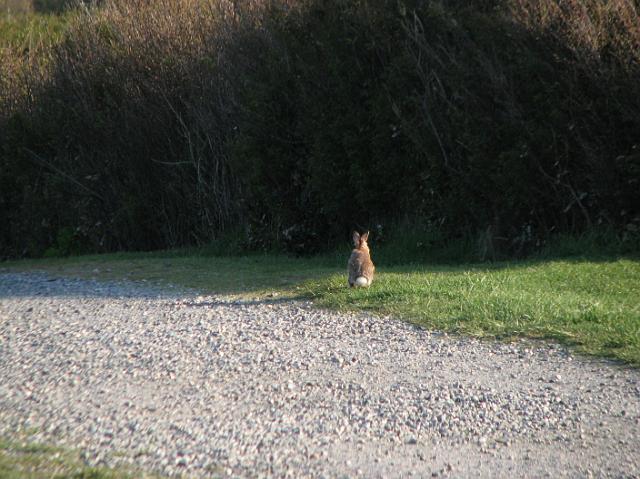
(257, 275)
(584, 301)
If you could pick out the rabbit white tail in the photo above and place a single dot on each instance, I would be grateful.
(361, 281)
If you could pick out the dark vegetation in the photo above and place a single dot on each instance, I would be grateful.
(13, 7)
(496, 124)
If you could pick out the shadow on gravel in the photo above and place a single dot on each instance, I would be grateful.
(258, 275)
(240, 302)
(42, 285)
(272, 278)
(38, 285)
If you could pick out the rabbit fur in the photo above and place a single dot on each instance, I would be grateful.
(360, 266)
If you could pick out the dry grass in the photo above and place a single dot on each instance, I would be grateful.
(160, 124)
(592, 28)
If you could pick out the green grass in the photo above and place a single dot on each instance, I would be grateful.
(592, 304)
(27, 460)
(30, 31)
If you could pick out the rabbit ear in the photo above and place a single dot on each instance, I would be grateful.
(356, 238)
(365, 237)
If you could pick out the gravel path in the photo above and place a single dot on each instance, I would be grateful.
(203, 386)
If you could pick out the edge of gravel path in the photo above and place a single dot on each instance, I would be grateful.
(413, 400)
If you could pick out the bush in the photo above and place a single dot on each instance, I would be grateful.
(153, 125)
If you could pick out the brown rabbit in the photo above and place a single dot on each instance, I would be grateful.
(360, 266)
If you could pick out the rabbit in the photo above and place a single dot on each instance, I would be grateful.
(360, 266)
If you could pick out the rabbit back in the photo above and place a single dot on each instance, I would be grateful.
(360, 268)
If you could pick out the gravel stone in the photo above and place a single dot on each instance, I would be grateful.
(181, 383)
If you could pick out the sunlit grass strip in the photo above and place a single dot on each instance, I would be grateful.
(590, 304)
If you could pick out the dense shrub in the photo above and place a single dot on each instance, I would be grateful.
(158, 124)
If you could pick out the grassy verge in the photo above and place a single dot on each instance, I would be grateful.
(24, 460)
(591, 304)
